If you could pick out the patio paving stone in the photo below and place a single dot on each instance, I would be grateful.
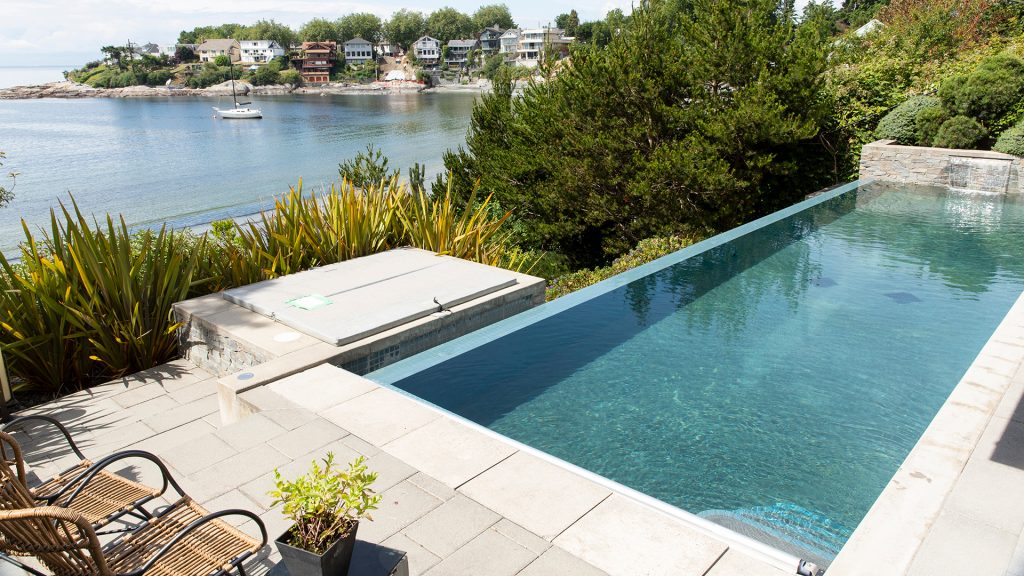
(449, 451)
(452, 524)
(489, 553)
(307, 437)
(400, 506)
(558, 562)
(380, 416)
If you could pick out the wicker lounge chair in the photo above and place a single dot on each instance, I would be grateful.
(87, 487)
(180, 540)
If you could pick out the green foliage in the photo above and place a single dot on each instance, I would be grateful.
(960, 132)
(360, 25)
(1011, 141)
(367, 169)
(652, 135)
(290, 76)
(184, 54)
(319, 30)
(222, 60)
(7, 191)
(405, 27)
(265, 76)
(493, 15)
(644, 252)
(158, 77)
(200, 34)
(900, 124)
(209, 75)
(90, 302)
(448, 24)
(989, 93)
(928, 121)
(269, 30)
(569, 22)
(491, 66)
(324, 504)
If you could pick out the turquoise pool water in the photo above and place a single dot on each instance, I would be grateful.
(772, 383)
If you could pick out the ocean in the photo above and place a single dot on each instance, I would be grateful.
(31, 75)
(171, 160)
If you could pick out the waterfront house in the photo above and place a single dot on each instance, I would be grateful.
(535, 43)
(458, 52)
(314, 61)
(509, 44)
(387, 49)
(209, 50)
(358, 51)
(148, 48)
(490, 40)
(427, 50)
(259, 51)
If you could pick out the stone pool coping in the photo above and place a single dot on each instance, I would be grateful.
(950, 466)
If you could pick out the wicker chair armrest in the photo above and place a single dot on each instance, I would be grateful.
(76, 486)
(195, 525)
(87, 535)
(46, 420)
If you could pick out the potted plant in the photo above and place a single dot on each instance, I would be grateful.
(325, 505)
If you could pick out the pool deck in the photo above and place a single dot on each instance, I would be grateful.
(458, 501)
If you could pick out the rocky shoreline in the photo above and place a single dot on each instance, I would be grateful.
(67, 89)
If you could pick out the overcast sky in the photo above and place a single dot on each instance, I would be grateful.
(71, 32)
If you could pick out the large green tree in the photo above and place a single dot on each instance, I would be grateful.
(362, 25)
(269, 30)
(200, 34)
(319, 30)
(569, 22)
(655, 135)
(493, 15)
(405, 27)
(447, 24)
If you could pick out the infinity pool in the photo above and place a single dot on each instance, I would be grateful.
(771, 379)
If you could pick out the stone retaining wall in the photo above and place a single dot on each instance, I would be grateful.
(981, 170)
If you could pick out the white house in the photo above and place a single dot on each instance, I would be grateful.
(358, 51)
(533, 44)
(259, 51)
(209, 50)
(427, 50)
(509, 43)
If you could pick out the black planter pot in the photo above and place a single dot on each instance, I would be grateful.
(333, 562)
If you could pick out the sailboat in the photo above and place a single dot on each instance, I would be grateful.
(240, 110)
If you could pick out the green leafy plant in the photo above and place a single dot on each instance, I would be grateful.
(900, 124)
(367, 168)
(7, 192)
(961, 132)
(1011, 141)
(928, 122)
(325, 503)
(989, 92)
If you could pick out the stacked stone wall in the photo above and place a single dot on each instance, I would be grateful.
(981, 170)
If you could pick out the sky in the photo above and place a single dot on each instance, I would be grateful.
(71, 32)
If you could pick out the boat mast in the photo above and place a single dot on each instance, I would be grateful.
(232, 74)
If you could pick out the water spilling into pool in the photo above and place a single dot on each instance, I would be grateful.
(772, 383)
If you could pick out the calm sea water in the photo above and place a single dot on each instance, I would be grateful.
(31, 75)
(773, 384)
(172, 160)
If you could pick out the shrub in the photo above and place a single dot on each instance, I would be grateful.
(645, 251)
(222, 60)
(988, 93)
(265, 76)
(960, 132)
(900, 124)
(158, 77)
(928, 122)
(1011, 141)
(292, 77)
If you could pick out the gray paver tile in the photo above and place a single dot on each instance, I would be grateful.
(359, 445)
(249, 432)
(175, 437)
(198, 454)
(290, 418)
(380, 416)
(658, 544)
(148, 408)
(390, 470)
(420, 559)
(945, 549)
(489, 553)
(736, 563)
(521, 536)
(433, 486)
(452, 524)
(195, 410)
(322, 387)
(308, 437)
(536, 494)
(139, 394)
(244, 466)
(117, 439)
(400, 506)
(256, 490)
(449, 451)
(558, 562)
(193, 392)
(233, 500)
(993, 470)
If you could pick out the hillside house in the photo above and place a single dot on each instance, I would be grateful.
(509, 44)
(358, 51)
(314, 61)
(259, 51)
(427, 50)
(209, 50)
(490, 40)
(458, 52)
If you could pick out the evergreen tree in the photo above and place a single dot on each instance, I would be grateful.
(653, 135)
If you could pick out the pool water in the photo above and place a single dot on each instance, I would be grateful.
(772, 383)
